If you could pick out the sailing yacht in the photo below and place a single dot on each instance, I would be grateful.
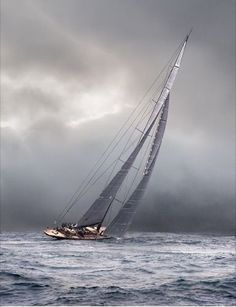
(93, 225)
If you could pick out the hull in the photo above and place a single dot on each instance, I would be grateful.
(56, 234)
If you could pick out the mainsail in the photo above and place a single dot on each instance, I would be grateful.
(124, 218)
(96, 212)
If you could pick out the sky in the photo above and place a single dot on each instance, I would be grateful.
(71, 73)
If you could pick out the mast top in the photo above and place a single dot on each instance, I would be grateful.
(187, 37)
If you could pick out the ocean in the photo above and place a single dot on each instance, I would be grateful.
(142, 269)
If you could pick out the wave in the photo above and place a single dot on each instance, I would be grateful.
(14, 280)
(101, 295)
(16, 276)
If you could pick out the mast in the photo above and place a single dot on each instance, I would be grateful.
(125, 216)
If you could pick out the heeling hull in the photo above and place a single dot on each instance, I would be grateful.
(53, 233)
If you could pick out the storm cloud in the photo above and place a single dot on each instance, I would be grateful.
(71, 73)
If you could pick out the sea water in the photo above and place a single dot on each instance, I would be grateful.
(142, 269)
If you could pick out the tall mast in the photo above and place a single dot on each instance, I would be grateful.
(123, 219)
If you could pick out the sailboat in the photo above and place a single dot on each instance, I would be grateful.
(93, 225)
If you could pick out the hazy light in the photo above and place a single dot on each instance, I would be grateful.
(12, 124)
(96, 105)
(75, 105)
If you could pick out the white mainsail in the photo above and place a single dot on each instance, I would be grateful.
(124, 218)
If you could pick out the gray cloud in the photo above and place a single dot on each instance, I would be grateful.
(67, 61)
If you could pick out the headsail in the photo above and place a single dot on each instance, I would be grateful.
(124, 218)
(96, 212)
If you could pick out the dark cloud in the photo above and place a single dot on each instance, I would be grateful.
(88, 62)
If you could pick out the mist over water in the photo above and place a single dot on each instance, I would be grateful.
(71, 72)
